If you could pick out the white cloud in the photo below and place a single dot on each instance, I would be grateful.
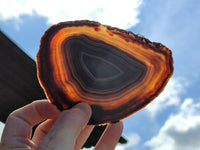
(122, 14)
(133, 140)
(169, 97)
(91, 148)
(1, 128)
(181, 130)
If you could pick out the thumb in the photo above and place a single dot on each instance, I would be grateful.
(66, 129)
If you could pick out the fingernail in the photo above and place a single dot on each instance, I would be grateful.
(84, 108)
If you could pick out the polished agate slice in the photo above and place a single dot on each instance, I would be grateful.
(116, 72)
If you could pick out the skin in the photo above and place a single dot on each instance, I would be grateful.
(66, 130)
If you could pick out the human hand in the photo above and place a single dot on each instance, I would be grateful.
(67, 130)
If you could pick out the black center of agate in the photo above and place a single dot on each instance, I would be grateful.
(98, 68)
(101, 67)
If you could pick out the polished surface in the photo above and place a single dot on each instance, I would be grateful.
(115, 71)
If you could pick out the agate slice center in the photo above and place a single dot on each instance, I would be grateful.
(99, 67)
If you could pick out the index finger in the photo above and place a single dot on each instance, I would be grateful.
(21, 121)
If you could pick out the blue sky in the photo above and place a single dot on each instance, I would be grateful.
(172, 120)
